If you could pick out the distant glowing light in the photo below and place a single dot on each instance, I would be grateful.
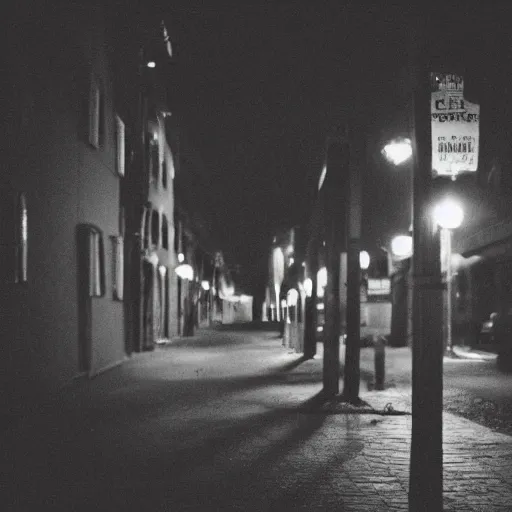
(292, 297)
(398, 151)
(320, 306)
(308, 286)
(291, 261)
(321, 282)
(151, 64)
(205, 285)
(364, 260)
(320, 328)
(401, 246)
(181, 257)
(185, 271)
(322, 277)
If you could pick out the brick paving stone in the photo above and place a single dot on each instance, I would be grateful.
(218, 425)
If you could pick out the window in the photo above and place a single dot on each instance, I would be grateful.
(21, 259)
(96, 265)
(120, 146)
(164, 173)
(153, 157)
(146, 216)
(96, 128)
(91, 260)
(13, 236)
(117, 267)
(155, 228)
(165, 232)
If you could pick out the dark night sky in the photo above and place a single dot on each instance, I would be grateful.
(259, 85)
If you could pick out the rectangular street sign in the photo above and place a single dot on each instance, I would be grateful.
(455, 127)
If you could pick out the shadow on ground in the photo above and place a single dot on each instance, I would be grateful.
(85, 459)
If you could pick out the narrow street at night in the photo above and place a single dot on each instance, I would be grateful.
(256, 256)
(229, 419)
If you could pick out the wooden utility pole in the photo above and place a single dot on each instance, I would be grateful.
(353, 342)
(310, 309)
(335, 228)
(426, 469)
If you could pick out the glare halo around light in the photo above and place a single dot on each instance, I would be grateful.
(448, 214)
(398, 151)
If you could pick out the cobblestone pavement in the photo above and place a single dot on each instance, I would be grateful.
(230, 420)
(474, 388)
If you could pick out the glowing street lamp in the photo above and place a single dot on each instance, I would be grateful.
(449, 215)
(398, 151)
(401, 246)
(185, 271)
(364, 260)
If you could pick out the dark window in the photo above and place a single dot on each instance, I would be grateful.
(146, 214)
(165, 232)
(164, 173)
(153, 156)
(155, 228)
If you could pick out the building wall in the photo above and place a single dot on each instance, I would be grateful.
(160, 199)
(66, 182)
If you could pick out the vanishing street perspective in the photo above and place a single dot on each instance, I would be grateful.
(256, 256)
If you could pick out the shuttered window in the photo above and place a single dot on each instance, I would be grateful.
(92, 261)
(120, 146)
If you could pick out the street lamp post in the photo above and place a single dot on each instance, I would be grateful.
(401, 251)
(186, 273)
(449, 216)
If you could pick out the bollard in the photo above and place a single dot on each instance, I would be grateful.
(379, 360)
